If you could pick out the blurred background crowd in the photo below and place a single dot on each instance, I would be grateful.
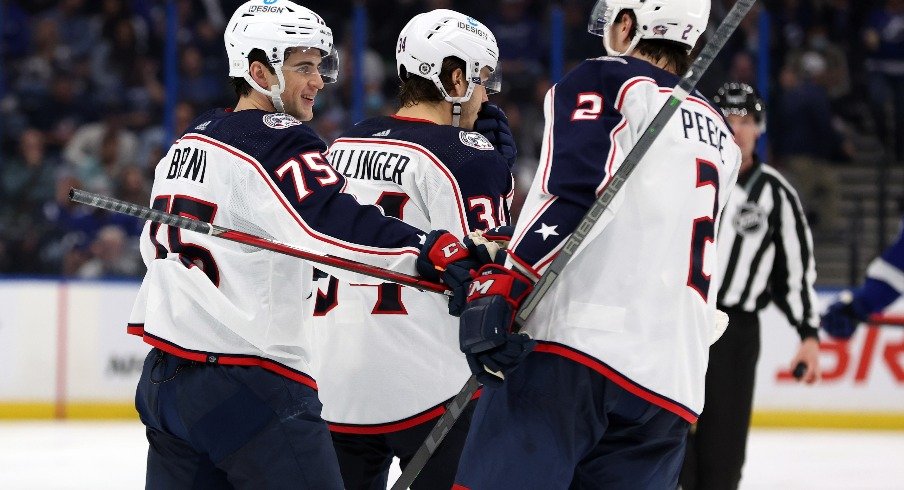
(83, 100)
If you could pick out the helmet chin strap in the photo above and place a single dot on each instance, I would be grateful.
(456, 114)
(275, 92)
(611, 51)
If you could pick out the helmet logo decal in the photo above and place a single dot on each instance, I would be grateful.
(660, 30)
(424, 68)
(269, 2)
(473, 28)
(265, 8)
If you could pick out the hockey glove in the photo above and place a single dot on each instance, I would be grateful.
(485, 246)
(485, 328)
(842, 317)
(493, 125)
(444, 259)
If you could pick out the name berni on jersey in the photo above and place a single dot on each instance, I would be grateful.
(188, 163)
(370, 164)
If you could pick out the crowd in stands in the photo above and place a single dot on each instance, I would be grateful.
(83, 96)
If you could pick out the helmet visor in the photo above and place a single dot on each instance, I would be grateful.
(493, 83)
(307, 61)
(599, 17)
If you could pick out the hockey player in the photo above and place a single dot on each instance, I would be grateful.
(606, 397)
(226, 394)
(765, 255)
(884, 284)
(389, 359)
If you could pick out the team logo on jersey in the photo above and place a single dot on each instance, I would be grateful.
(280, 120)
(660, 30)
(475, 140)
(749, 219)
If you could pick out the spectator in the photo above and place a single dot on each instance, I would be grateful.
(99, 151)
(884, 39)
(111, 256)
(28, 179)
(806, 142)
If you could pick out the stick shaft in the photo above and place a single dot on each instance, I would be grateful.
(144, 212)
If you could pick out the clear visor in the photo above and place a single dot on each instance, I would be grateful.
(599, 17)
(307, 61)
(493, 83)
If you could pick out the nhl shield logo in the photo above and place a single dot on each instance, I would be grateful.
(749, 219)
(280, 120)
(424, 68)
(475, 140)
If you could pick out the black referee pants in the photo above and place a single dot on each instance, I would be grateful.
(716, 449)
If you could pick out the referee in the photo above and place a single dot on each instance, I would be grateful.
(765, 254)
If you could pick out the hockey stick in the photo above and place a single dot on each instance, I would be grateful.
(684, 88)
(144, 212)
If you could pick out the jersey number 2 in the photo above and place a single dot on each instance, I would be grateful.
(704, 230)
(389, 295)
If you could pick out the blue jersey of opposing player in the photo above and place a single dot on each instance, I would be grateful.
(406, 361)
(213, 300)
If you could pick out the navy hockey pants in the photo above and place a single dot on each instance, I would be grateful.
(558, 424)
(365, 459)
(215, 426)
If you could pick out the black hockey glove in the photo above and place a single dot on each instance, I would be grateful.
(493, 125)
(843, 316)
(485, 328)
(487, 247)
(444, 259)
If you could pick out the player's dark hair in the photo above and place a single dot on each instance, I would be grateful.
(675, 54)
(239, 84)
(415, 89)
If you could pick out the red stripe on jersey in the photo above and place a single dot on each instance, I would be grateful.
(530, 223)
(617, 378)
(229, 360)
(425, 416)
(612, 149)
(458, 486)
(292, 212)
(623, 91)
(135, 329)
(459, 201)
(412, 119)
(524, 265)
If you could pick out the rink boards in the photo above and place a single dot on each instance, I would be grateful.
(64, 353)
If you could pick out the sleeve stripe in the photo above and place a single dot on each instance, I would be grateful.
(459, 201)
(530, 223)
(292, 212)
(547, 148)
(881, 270)
(623, 91)
(613, 146)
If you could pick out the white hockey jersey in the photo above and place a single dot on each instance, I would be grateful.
(636, 303)
(217, 301)
(390, 356)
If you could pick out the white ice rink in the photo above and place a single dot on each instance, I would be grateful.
(110, 455)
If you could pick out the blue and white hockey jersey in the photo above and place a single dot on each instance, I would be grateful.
(884, 279)
(637, 301)
(388, 356)
(218, 301)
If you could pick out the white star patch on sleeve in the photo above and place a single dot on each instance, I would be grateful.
(547, 230)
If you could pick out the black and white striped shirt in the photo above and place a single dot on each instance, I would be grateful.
(766, 250)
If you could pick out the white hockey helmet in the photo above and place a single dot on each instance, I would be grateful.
(682, 21)
(431, 37)
(274, 26)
